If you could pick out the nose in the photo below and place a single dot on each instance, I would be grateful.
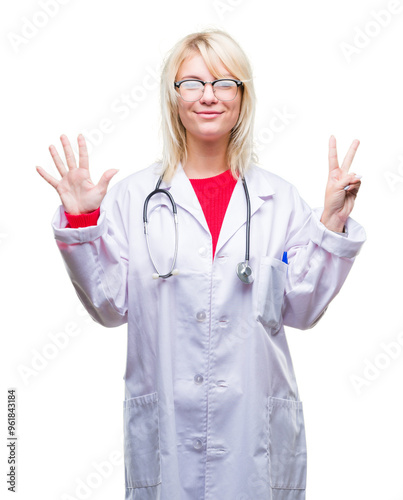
(208, 94)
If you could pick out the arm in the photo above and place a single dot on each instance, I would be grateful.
(96, 259)
(322, 245)
(319, 262)
(95, 256)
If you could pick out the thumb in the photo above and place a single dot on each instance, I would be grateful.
(105, 179)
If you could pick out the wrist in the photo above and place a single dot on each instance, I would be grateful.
(74, 213)
(333, 223)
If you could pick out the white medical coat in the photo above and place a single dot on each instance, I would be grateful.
(211, 408)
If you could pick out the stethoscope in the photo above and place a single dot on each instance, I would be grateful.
(243, 269)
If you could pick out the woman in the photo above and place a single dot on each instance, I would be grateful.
(211, 406)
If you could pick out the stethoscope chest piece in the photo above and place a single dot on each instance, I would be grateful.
(244, 272)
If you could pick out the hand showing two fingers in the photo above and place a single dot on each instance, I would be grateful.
(341, 189)
(77, 192)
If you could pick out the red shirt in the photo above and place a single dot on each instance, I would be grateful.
(213, 194)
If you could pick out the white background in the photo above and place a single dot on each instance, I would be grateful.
(69, 76)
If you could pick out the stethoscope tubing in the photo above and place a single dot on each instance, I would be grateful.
(243, 269)
(248, 216)
(145, 222)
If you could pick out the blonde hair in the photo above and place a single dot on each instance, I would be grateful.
(214, 46)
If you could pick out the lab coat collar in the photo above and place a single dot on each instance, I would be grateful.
(259, 189)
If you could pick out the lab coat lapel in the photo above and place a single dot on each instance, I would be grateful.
(184, 195)
(235, 217)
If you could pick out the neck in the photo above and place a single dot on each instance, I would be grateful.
(206, 159)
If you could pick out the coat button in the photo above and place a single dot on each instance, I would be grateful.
(197, 444)
(198, 378)
(203, 252)
(201, 316)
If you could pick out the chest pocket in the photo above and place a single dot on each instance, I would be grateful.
(142, 446)
(271, 286)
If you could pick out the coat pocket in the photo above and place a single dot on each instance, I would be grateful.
(271, 286)
(142, 441)
(287, 444)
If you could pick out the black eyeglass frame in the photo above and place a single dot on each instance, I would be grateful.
(238, 84)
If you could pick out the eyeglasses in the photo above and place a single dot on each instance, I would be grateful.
(224, 89)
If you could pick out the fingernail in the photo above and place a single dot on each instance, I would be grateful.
(358, 176)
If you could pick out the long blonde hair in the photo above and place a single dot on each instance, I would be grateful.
(214, 46)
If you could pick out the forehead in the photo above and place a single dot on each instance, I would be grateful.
(194, 66)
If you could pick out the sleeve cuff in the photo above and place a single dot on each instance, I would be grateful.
(347, 244)
(83, 220)
(79, 234)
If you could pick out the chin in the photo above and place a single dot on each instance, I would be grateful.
(210, 134)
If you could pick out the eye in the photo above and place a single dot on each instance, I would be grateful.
(225, 84)
(191, 85)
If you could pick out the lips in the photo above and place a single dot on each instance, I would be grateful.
(209, 114)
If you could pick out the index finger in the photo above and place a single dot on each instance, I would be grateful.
(333, 162)
(82, 152)
(350, 155)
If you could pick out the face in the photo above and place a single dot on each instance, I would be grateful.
(198, 124)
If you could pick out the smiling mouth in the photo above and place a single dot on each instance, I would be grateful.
(210, 113)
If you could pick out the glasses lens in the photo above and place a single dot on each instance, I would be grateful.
(191, 90)
(225, 90)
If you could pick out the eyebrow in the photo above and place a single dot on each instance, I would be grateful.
(199, 78)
